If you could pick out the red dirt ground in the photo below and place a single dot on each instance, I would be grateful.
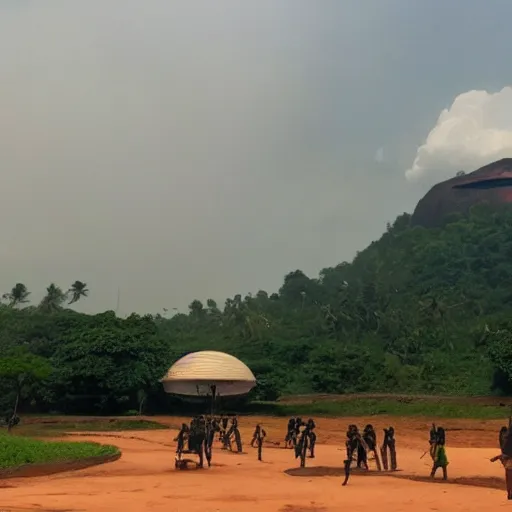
(144, 479)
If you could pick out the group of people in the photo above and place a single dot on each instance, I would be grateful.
(440, 459)
(229, 433)
(301, 436)
(198, 437)
(360, 445)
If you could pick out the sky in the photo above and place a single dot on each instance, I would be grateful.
(182, 149)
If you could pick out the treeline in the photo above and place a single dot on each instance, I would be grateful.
(418, 311)
(54, 299)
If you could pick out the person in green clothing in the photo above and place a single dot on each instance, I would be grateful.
(438, 452)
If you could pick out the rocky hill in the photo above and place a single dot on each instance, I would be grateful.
(491, 184)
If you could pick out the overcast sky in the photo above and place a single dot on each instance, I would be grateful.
(199, 148)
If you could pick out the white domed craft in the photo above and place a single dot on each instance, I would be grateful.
(196, 374)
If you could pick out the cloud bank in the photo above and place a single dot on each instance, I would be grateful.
(475, 130)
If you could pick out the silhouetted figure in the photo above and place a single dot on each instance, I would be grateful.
(290, 439)
(197, 438)
(438, 451)
(233, 431)
(212, 427)
(351, 442)
(351, 445)
(505, 459)
(258, 437)
(298, 424)
(310, 432)
(223, 427)
(302, 445)
(388, 444)
(181, 438)
(370, 438)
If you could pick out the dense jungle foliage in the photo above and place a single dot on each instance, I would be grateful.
(418, 311)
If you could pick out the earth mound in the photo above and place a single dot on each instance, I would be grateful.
(491, 184)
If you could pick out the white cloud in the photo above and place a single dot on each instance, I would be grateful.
(474, 131)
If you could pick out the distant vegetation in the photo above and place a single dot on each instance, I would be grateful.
(368, 406)
(42, 427)
(16, 451)
(418, 311)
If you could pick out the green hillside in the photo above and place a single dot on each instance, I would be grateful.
(418, 311)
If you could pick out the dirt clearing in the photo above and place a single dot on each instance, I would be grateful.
(144, 479)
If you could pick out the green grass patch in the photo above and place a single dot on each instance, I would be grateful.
(374, 406)
(15, 451)
(47, 427)
(111, 425)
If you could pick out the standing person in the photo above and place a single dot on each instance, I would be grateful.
(310, 427)
(255, 435)
(370, 438)
(505, 457)
(362, 455)
(290, 440)
(229, 432)
(352, 442)
(356, 446)
(351, 445)
(236, 432)
(302, 445)
(438, 453)
(388, 444)
(507, 464)
(233, 431)
(197, 438)
(181, 438)
(211, 428)
(258, 437)
(223, 427)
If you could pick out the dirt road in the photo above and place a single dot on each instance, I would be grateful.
(144, 479)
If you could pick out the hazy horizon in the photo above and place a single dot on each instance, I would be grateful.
(180, 149)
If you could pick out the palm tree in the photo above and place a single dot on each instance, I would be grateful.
(18, 295)
(53, 299)
(77, 291)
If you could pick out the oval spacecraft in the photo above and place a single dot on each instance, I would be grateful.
(208, 373)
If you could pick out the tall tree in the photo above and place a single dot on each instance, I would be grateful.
(77, 290)
(18, 370)
(53, 300)
(18, 295)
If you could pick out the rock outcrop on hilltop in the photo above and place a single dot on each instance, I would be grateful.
(491, 184)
